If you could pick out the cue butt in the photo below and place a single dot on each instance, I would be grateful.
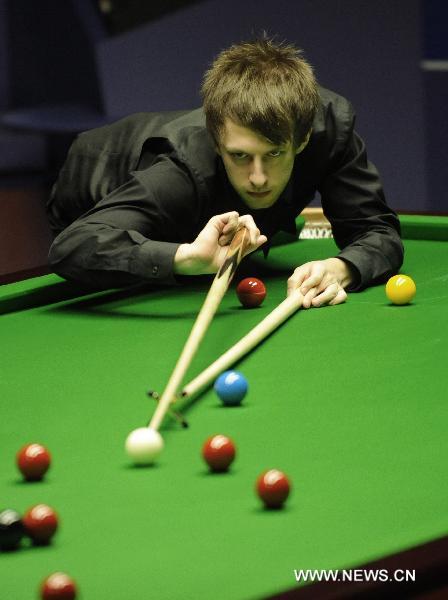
(235, 253)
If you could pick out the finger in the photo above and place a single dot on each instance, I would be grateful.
(314, 279)
(254, 233)
(262, 239)
(328, 295)
(223, 219)
(228, 226)
(297, 278)
(255, 243)
(256, 239)
(230, 223)
(340, 297)
(308, 298)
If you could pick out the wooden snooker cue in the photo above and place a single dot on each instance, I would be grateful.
(273, 320)
(217, 290)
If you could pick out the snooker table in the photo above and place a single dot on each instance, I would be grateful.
(349, 401)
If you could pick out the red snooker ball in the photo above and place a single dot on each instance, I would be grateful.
(58, 586)
(33, 461)
(40, 523)
(251, 292)
(218, 452)
(273, 488)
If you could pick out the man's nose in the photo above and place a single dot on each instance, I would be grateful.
(257, 175)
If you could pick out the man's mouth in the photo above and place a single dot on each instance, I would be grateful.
(259, 194)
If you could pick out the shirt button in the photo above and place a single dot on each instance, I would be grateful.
(155, 270)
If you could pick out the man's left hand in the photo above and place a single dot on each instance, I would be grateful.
(321, 282)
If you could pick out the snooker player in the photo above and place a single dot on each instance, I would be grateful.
(157, 195)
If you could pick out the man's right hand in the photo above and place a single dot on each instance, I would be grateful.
(208, 251)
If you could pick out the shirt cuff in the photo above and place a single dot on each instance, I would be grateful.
(356, 284)
(153, 261)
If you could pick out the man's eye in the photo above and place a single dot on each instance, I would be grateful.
(239, 155)
(275, 153)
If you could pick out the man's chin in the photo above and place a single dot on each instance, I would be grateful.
(260, 202)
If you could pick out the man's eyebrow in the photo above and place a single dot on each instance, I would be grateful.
(236, 150)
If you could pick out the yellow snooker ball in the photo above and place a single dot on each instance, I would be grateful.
(400, 289)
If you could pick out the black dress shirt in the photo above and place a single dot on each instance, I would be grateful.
(131, 192)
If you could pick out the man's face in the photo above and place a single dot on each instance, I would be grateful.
(257, 169)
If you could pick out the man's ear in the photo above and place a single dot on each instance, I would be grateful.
(304, 144)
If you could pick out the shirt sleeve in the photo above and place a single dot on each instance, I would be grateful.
(365, 228)
(132, 234)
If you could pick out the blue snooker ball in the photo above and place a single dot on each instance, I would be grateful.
(231, 388)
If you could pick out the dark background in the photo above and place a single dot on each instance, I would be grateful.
(69, 65)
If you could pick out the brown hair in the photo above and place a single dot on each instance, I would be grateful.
(263, 85)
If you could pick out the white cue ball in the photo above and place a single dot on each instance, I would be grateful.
(143, 445)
